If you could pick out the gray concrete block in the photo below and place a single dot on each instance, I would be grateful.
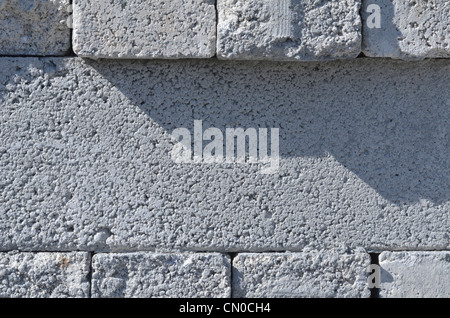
(143, 275)
(44, 275)
(415, 274)
(324, 274)
(144, 29)
(288, 29)
(408, 30)
(34, 27)
(85, 151)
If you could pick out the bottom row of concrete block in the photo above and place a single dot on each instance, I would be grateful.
(145, 274)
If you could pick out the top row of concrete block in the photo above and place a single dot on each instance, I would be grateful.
(302, 30)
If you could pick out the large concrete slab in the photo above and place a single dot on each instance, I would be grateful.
(34, 27)
(409, 30)
(288, 29)
(415, 274)
(44, 275)
(85, 151)
(144, 29)
(317, 274)
(143, 275)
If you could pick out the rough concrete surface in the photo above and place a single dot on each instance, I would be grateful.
(288, 29)
(409, 30)
(34, 27)
(330, 273)
(142, 275)
(415, 274)
(144, 29)
(85, 155)
(44, 275)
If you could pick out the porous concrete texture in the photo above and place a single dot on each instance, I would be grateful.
(288, 29)
(44, 275)
(34, 27)
(85, 155)
(144, 28)
(409, 30)
(416, 274)
(142, 275)
(318, 274)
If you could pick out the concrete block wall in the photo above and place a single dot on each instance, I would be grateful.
(35, 27)
(356, 199)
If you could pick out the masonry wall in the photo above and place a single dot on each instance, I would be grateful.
(354, 103)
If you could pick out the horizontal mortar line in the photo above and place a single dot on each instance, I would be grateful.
(46, 251)
(70, 55)
(156, 251)
(377, 251)
(143, 251)
(212, 251)
(214, 58)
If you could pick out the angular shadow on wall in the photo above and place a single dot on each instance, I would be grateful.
(385, 121)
